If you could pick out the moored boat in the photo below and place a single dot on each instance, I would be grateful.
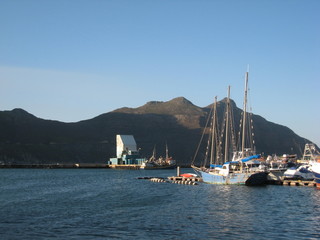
(309, 168)
(188, 175)
(313, 156)
(159, 163)
(315, 166)
(302, 172)
(277, 167)
(244, 167)
(228, 174)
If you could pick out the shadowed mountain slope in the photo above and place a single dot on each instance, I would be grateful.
(25, 138)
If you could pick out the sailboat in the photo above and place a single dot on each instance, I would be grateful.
(159, 163)
(244, 168)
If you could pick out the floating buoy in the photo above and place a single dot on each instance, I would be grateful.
(184, 182)
(157, 180)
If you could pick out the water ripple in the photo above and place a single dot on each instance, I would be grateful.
(111, 204)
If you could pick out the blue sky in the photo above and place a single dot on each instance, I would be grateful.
(73, 60)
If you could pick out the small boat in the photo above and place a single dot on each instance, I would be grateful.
(159, 163)
(302, 172)
(188, 175)
(277, 166)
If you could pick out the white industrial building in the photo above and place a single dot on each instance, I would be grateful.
(127, 151)
(125, 145)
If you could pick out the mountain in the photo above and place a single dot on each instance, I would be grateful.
(25, 139)
(180, 108)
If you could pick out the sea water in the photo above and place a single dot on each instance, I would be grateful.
(114, 204)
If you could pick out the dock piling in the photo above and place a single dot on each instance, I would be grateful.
(178, 171)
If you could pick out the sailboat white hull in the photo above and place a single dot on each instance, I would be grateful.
(148, 166)
(258, 178)
(316, 171)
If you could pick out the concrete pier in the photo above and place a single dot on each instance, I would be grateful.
(126, 166)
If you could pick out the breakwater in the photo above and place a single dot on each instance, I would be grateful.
(75, 165)
(58, 165)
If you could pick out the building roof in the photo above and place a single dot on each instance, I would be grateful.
(127, 140)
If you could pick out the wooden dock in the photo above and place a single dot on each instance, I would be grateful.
(196, 180)
(299, 183)
(185, 179)
(177, 180)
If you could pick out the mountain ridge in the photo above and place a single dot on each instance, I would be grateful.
(175, 106)
(178, 122)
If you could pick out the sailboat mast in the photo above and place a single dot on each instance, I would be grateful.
(244, 112)
(226, 147)
(167, 151)
(154, 152)
(213, 130)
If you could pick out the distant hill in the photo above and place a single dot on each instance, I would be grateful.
(25, 138)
